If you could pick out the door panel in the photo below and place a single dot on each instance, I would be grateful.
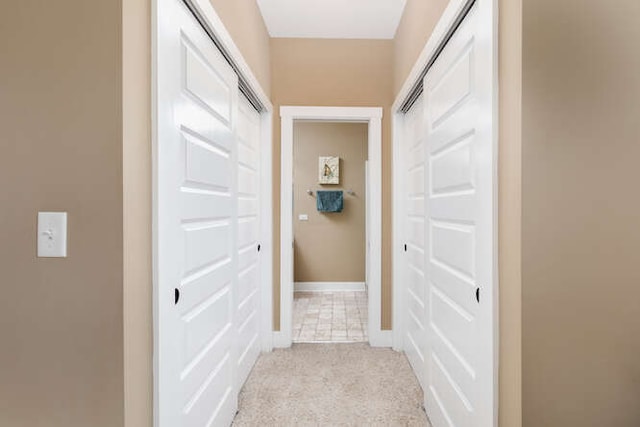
(413, 154)
(204, 82)
(459, 213)
(248, 302)
(196, 225)
(453, 245)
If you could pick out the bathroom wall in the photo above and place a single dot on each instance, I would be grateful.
(329, 247)
(325, 72)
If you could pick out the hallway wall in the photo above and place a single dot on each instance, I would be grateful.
(61, 324)
(137, 222)
(328, 73)
(418, 21)
(329, 247)
(581, 207)
(243, 20)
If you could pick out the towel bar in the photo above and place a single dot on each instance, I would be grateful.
(349, 192)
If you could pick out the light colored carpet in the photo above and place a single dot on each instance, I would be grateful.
(331, 385)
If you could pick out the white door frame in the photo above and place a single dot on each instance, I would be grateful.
(372, 116)
(213, 23)
(489, 15)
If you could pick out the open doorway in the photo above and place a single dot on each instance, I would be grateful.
(329, 231)
(368, 194)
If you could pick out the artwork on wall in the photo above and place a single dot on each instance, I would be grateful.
(329, 170)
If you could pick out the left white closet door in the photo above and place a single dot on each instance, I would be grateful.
(196, 225)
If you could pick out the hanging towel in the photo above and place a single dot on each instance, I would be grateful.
(329, 201)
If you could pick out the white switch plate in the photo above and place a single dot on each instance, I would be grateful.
(303, 217)
(52, 234)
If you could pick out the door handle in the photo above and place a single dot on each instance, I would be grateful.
(478, 295)
(176, 296)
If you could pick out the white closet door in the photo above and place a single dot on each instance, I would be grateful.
(196, 204)
(460, 245)
(414, 238)
(248, 301)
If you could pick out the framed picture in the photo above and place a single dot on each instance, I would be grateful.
(329, 170)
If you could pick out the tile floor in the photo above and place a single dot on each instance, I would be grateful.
(330, 317)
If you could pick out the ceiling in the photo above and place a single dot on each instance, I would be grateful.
(332, 19)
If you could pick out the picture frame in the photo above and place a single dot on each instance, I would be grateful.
(328, 170)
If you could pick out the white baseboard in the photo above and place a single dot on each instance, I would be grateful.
(328, 286)
(381, 338)
(280, 341)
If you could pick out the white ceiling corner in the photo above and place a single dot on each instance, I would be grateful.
(332, 19)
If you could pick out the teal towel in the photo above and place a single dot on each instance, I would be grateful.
(329, 201)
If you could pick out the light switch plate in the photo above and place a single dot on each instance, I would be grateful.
(303, 217)
(52, 234)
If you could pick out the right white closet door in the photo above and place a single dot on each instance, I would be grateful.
(460, 231)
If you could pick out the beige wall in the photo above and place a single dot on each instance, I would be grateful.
(136, 146)
(415, 28)
(329, 247)
(581, 212)
(61, 150)
(510, 213)
(243, 20)
(417, 23)
(334, 73)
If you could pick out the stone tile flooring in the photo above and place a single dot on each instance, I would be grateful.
(330, 316)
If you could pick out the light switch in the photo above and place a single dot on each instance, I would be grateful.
(303, 217)
(52, 234)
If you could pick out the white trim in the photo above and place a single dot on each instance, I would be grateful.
(447, 20)
(328, 287)
(397, 129)
(332, 114)
(285, 337)
(266, 232)
(372, 116)
(374, 260)
(279, 340)
(492, 13)
(381, 339)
